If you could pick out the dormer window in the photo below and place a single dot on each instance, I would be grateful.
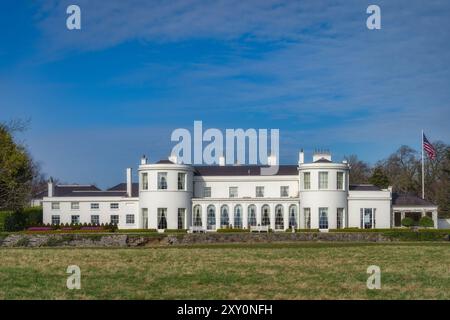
(162, 180)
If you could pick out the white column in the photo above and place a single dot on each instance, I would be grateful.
(272, 216)
(218, 212)
(245, 216)
(286, 215)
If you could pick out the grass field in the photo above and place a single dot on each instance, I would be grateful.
(267, 271)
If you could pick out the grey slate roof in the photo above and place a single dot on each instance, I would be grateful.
(123, 187)
(407, 199)
(244, 170)
(164, 162)
(64, 190)
(363, 187)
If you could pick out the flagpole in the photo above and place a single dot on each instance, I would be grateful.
(423, 172)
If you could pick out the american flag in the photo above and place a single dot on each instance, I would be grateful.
(428, 147)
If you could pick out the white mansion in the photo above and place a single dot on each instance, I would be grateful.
(170, 195)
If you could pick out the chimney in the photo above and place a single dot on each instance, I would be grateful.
(129, 183)
(222, 161)
(51, 188)
(272, 160)
(301, 157)
(144, 159)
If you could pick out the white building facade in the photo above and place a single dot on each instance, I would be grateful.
(170, 195)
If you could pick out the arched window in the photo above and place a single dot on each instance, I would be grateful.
(293, 216)
(162, 218)
(265, 215)
(238, 216)
(224, 217)
(251, 215)
(197, 221)
(211, 221)
(279, 219)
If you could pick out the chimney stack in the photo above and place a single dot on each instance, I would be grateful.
(129, 183)
(301, 157)
(144, 159)
(51, 188)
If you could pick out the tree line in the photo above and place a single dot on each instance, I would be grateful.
(21, 176)
(403, 171)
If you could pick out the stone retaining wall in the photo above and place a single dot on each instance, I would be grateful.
(134, 240)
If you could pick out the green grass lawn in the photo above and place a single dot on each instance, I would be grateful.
(266, 271)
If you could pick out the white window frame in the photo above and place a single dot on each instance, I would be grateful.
(206, 192)
(98, 219)
(233, 192)
(95, 206)
(74, 206)
(323, 174)
(130, 219)
(307, 182)
(113, 206)
(338, 187)
(182, 180)
(161, 175)
(259, 194)
(284, 194)
(56, 206)
(78, 219)
(54, 217)
(144, 177)
(111, 218)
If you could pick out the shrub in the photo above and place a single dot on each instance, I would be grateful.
(16, 221)
(408, 222)
(426, 222)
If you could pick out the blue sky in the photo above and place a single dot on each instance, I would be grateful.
(100, 97)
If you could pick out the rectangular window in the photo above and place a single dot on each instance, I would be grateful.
(207, 192)
(233, 192)
(307, 213)
(56, 220)
(95, 219)
(340, 181)
(162, 180)
(323, 180)
(114, 206)
(181, 212)
(181, 181)
(323, 218)
(284, 191)
(306, 180)
(144, 218)
(340, 218)
(259, 192)
(55, 205)
(367, 218)
(75, 219)
(145, 181)
(75, 205)
(130, 218)
(162, 218)
(115, 219)
(95, 206)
